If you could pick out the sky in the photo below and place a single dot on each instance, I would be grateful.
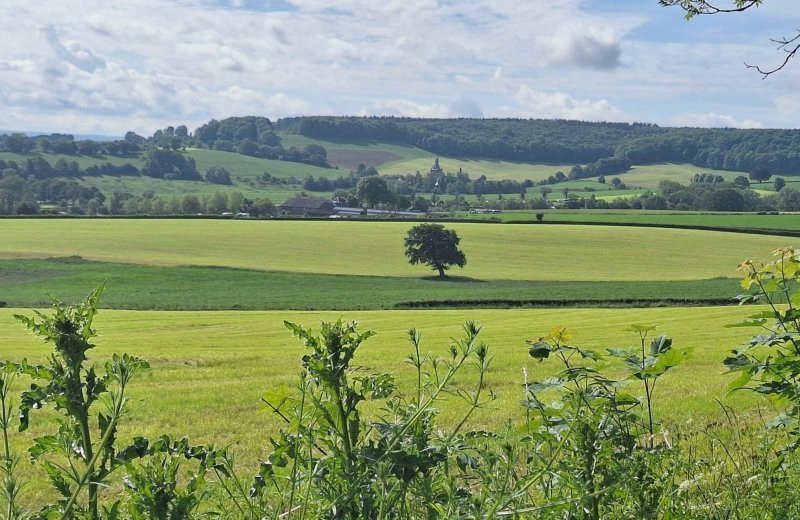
(106, 67)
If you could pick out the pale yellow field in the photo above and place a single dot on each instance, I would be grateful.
(515, 252)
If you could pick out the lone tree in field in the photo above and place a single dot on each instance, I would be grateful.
(433, 245)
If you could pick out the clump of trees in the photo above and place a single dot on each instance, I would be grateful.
(218, 175)
(254, 136)
(169, 165)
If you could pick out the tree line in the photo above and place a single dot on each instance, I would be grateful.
(251, 135)
(567, 142)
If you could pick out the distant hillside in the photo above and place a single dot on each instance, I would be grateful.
(566, 142)
(249, 164)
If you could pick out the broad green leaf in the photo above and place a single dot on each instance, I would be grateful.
(589, 354)
(638, 328)
(740, 382)
(539, 350)
(547, 384)
(660, 345)
(670, 359)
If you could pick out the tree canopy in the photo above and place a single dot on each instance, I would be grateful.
(433, 245)
(602, 148)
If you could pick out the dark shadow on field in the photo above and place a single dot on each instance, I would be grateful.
(455, 279)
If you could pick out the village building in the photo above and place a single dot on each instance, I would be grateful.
(311, 206)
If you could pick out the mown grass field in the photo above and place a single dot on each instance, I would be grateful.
(27, 283)
(781, 222)
(211, 369)
(493, 251)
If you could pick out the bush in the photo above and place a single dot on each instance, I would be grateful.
(218, 175)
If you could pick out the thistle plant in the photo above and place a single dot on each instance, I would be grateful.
(79, 457)
(332, 462)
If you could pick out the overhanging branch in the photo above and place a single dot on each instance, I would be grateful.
(701, 7)
(788, 45)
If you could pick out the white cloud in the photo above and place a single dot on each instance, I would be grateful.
(119, 64)
(72, 52)
(586, 47)
(710, 119)
(244, 101)
(535, 103)
(406, 108)
(464, 107)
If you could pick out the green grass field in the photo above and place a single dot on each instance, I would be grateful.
(493, 170)
(348, 155)
(218, 365)
(211, 368)
(277, 193)
(27, 283)
(494, 252)
(650, 175)
(244, 168)
(82, 160)
(782, 222)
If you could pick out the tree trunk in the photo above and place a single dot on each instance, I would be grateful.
(441, 271)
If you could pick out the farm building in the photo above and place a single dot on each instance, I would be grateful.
(307, 206)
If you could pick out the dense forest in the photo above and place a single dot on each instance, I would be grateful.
(567, 142)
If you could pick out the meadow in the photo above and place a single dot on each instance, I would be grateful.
(348, 155)
(27, 283)
(219, 365)
(494, 251)
(775, 222)
(211, 367)
(352, 267)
